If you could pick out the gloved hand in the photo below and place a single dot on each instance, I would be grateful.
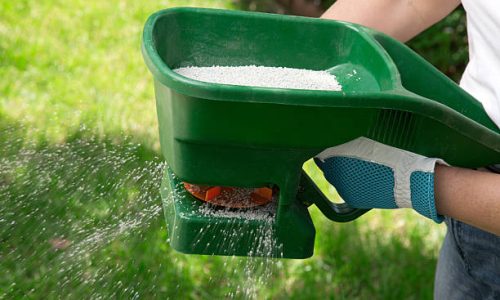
(368, 174)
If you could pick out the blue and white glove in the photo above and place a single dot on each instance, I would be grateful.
(368, 174)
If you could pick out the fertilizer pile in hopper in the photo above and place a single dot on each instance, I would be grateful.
(259, 76)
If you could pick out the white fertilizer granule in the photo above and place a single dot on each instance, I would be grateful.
(258, 76)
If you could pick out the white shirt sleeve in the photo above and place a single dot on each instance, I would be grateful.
(482, 74)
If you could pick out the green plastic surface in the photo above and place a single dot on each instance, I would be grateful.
(250, 137)
(193, 232)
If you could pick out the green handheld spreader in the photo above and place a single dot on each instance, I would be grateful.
(250, 137)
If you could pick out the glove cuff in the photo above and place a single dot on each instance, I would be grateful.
(422, 194)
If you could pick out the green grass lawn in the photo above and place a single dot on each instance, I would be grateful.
(80, 213)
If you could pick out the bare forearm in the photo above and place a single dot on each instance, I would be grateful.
(470, 196)
(401, 19)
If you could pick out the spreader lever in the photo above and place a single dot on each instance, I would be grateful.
(310, 193)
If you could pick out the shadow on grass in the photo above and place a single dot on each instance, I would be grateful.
(83, 219)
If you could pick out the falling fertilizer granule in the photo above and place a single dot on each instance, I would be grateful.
(258, 76)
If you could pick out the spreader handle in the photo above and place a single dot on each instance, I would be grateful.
(309, 193)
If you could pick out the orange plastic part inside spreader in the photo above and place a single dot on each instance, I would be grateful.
(231, 196)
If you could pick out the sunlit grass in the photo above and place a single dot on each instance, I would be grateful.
(71, 73)
(65, 63)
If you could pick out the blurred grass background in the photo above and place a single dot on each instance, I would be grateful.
(75, 91)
